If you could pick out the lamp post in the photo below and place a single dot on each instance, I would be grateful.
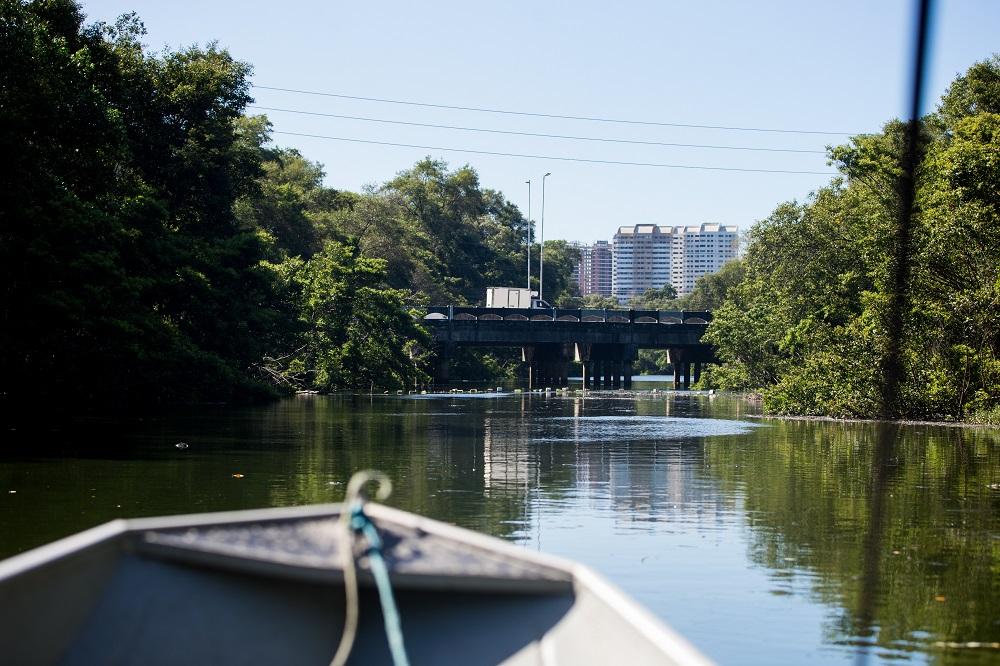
(541, 243)
(529, 237)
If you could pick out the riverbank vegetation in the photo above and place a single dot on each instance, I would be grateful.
(806, 321)
(156, 247)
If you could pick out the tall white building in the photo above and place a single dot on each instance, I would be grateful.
(649, 256)
(701, 250)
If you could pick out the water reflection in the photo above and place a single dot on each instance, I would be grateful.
(763, 541)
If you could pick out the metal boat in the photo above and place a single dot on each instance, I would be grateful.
(268, 587)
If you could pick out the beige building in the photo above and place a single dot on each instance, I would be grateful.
(593, 272)
(641, 259)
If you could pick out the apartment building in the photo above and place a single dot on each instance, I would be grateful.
(594, 270)
(641, 259)
(700, 250)
(649, 256)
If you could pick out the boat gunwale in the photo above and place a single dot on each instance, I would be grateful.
(50, 553)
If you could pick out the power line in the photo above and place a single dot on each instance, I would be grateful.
(534, 134)
(594, 119)
(551, 157)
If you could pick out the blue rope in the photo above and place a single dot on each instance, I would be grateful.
(390, 614)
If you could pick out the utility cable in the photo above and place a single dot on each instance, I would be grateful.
(533, 134)
(552, 157)
(595, 119)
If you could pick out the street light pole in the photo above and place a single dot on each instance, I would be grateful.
(541, 243)
(529, 239)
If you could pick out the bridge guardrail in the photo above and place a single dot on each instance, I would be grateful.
(585, 315)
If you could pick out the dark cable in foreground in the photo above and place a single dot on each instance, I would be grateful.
(900, 260)
(892, 365)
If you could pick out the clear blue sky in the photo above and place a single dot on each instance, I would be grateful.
(832, 66)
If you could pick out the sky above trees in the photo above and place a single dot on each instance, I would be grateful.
(840, 67)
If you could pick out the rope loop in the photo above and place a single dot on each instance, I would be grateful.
(354, 522)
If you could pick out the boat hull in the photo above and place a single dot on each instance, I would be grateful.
(266, 587)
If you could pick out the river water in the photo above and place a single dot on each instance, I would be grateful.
(763, 541)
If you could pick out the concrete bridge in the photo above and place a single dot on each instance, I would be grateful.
(604, 342)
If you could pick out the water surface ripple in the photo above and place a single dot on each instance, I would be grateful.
(764, 543)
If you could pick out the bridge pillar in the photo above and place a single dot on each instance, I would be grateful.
(442, 360)
(581, 354)
(674, 355)
(631, 353)
(551, 372)
(697, 372)
(528, 356)
(616, 377)
(687, 374)
(441, 374)
(548, 365)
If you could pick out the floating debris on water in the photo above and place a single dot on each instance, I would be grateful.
(237, 475)
(181, 445)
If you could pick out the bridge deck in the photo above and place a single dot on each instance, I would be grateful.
(519, 328)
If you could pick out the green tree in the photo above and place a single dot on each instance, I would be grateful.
(474, 235)
(806, 322)
(711, 290)
(356, 332)
(664, 298)
(127, 276)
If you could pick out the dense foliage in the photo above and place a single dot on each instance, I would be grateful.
(807, 321)
(125, 270)
(155, 247)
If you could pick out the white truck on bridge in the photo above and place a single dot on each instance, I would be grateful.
(514, 297)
